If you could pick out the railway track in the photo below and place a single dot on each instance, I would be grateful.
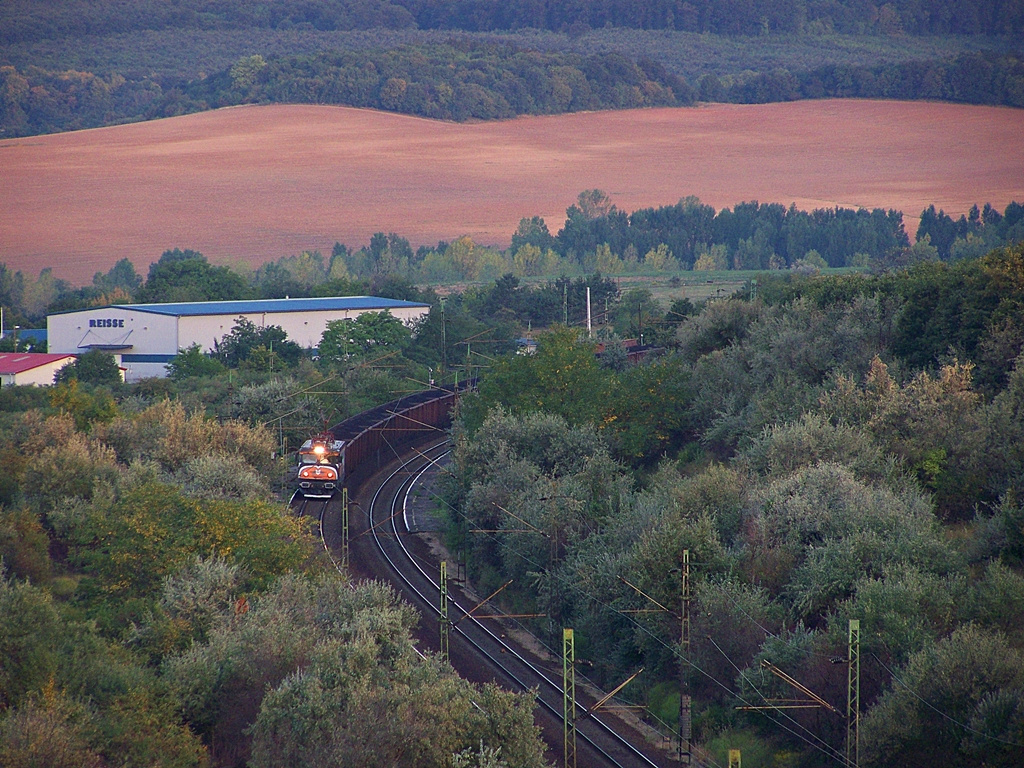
(316, 507)
(383, 547)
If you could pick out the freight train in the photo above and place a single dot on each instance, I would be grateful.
(353, 450)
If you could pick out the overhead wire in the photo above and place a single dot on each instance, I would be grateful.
(828, 748)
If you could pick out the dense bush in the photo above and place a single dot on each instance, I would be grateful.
(857, 481)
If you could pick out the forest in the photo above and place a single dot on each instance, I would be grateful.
(826, 446)
(82, 65)
(475, 81)
(32, 19)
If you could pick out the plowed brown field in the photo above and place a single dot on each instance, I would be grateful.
(253, 184)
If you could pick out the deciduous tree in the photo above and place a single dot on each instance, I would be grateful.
(372, 334)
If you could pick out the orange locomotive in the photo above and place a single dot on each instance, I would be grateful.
(321, 466)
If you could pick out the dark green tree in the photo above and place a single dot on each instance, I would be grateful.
(372, 333)
(93, 367)
(122, 275)
(532, 231)
(563, 378)
(30, 628)
(957, 703)
(246, 337)
(187, 276)
(193, 362)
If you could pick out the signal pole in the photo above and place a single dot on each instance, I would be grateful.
(444, 340)
(853, 696)
(684, 649)
(344, 528)
(445, 623)
(569, 697)
(685, 701)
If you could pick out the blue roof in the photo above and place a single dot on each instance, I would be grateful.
(25, 334)
(330, 303)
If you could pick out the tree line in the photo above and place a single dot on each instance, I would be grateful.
(596, 238)
(29, 20)
(932, 17)
(473, 80)
(482, 82)
(986, 77)
(32, 20)
(750, 235)
(450, 82)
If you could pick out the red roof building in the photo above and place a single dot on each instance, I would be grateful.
(31, 368)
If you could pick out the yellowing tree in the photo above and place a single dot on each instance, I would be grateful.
(660, 259)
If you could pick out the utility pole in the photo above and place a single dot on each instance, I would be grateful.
(853, 696)
(569, 697)
(814, 701)
(445, 623)
(444, 341)
(684, 654)
(685, 701)
(565, 303)
(344, 528)
(590, 327)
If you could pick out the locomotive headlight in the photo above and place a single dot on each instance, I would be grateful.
(319, 450)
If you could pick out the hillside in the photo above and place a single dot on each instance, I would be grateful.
(251, 185)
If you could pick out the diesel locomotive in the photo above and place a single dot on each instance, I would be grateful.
(351, 451)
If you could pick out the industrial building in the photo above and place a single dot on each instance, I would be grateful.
(30, 368)
(144, 337)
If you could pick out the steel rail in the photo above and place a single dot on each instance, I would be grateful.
(300, 511)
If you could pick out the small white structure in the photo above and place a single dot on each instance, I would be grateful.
(144, 337)
(30, 368)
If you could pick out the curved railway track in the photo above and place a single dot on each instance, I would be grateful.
(383, 547)
(310, 507)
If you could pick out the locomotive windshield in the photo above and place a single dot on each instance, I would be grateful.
(320, 451)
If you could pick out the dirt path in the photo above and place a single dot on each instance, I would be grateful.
(252, 184)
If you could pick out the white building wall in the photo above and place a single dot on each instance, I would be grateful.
(40, 376)
(143, 342)
(145, 333)
(43, 375)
